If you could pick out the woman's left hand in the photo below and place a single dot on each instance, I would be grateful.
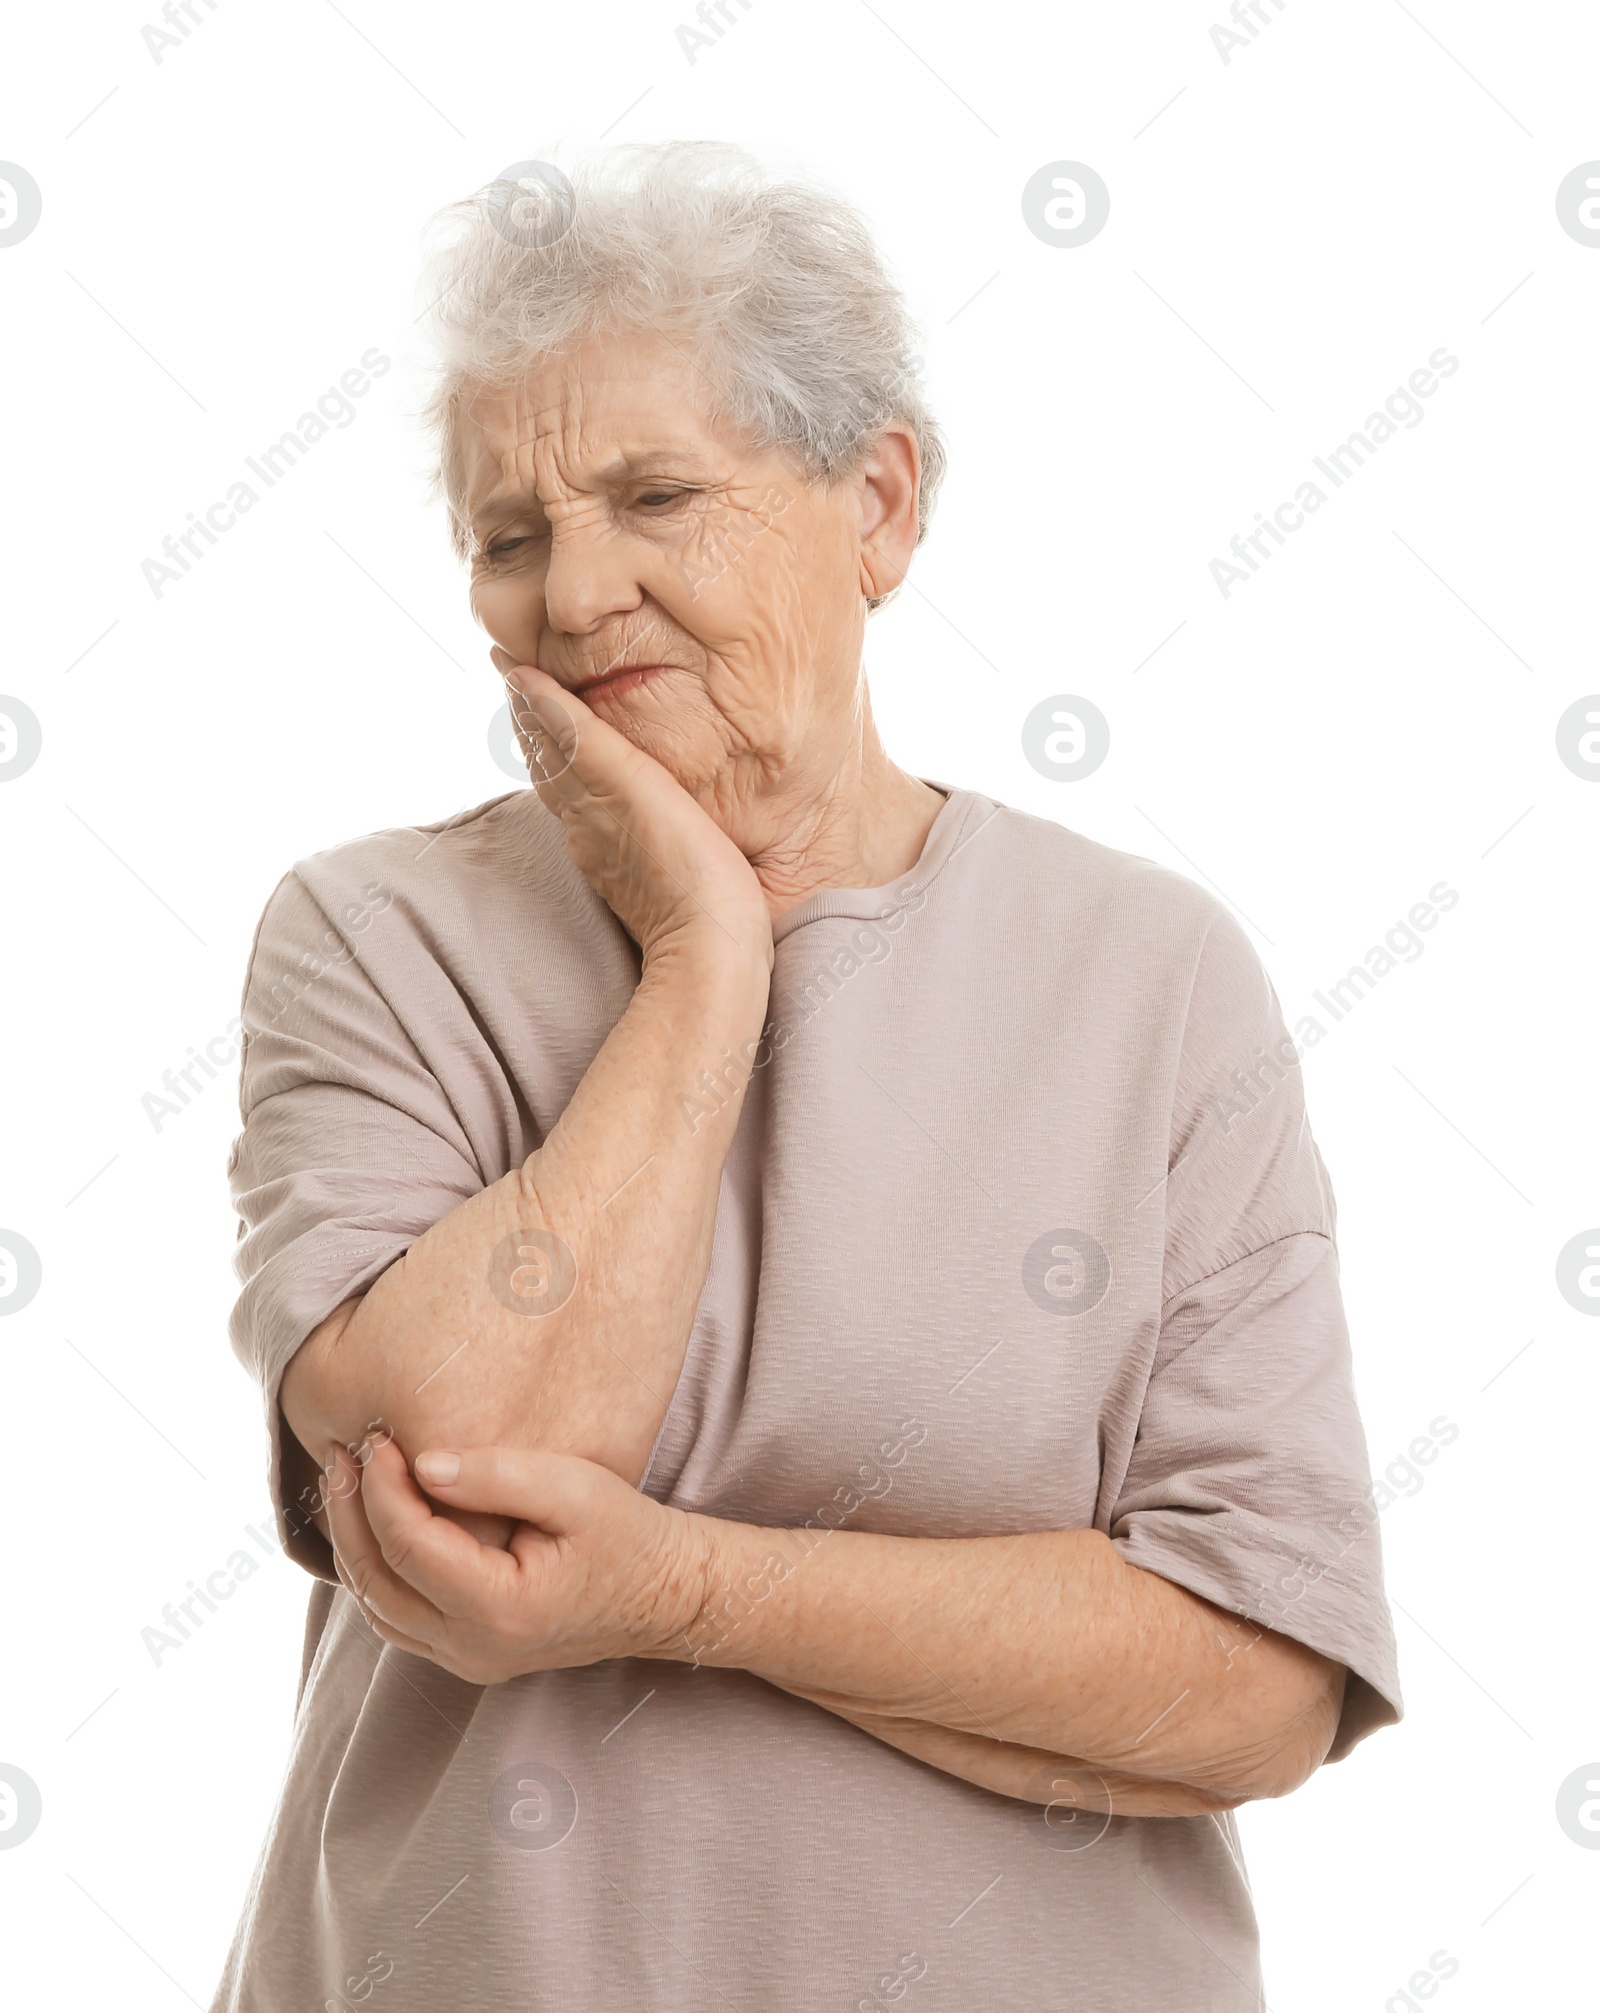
(593, 1570)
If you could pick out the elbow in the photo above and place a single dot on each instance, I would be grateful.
(1291, 1754)
(1278, 1774)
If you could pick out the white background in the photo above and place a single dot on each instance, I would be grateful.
(1292, 233)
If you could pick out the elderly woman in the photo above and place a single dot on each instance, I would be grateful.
(810, 1293)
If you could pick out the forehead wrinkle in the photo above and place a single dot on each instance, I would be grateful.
(613, 410)
(538, 470)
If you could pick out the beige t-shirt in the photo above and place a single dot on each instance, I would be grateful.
(1023, 1228)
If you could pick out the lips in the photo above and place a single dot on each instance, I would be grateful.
(624, 678)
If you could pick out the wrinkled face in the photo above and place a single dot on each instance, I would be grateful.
(702, 597)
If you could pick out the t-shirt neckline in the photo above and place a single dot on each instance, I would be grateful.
(950, 825)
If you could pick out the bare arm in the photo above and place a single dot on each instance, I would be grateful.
(554, 1307)
(1013, 1661)
(621, 1200)
(1033, 1775)
(1041, 1666)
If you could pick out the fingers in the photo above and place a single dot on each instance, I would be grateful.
(488, 1530)
(546, 714)
(534, 701)
(455, 1576)
(383, 1629)
(546, 718)
(384, 1597)
(555, 1491)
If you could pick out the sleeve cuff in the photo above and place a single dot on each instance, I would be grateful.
(1277, 1589)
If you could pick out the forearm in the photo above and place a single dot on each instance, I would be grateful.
(1047, 1642)
(1062, 1783)
(456, 1342)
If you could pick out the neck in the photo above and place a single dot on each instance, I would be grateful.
(861, 824)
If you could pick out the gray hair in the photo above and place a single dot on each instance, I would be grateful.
(775, 284)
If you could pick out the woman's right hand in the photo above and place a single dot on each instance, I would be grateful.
(667, 871)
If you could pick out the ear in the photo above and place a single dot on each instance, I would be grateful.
(889, 480)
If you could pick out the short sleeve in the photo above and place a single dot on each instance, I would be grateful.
(1249, 1482)
(349, 1150)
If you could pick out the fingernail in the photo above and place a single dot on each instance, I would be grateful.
(443, 1468)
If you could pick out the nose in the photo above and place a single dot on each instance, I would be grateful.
(589, 578)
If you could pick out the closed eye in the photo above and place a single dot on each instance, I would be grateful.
(658, 501)
(502, 548)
